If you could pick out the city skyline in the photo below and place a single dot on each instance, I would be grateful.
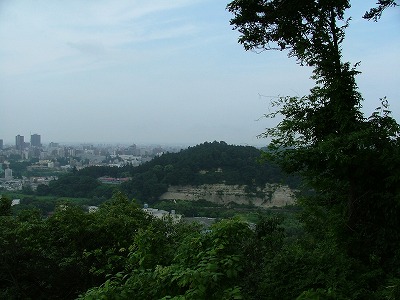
(161, 72)
(20, 143)
(21, 139)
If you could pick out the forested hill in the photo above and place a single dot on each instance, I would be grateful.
(212, 162)
(207, 163)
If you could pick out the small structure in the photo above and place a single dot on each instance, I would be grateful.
(8, 174)
(92, 208)
(15, 202)
(112, 180)
(160, 214)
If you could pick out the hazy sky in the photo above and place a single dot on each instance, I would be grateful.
(160, 71)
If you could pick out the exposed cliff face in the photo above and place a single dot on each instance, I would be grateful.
(271, 195)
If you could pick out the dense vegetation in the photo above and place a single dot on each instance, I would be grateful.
(65, 254)
(128, 254)
(207, 163)
(75, 186)
(351, 161)
(71, 251)
(46, 205)
(60, 256)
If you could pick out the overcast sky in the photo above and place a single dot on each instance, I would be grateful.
(160, 71)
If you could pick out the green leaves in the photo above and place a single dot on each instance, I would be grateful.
(375, 13)
(68, 252)
(5, 206)
(348, 162)
(307, 28)
(205, 264)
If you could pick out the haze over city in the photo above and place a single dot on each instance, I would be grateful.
(160, 71)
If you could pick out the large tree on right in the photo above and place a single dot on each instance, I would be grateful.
(350, 162)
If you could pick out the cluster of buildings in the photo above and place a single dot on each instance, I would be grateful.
(103, 153)
(55, 158)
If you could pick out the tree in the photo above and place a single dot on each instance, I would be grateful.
(180, 261)
(375, 13)
(5, 206)
(350, 161)
(63, 255)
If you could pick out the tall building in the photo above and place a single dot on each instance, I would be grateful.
(35, 140)
(19, 142)
(8, 174)
(1, 144)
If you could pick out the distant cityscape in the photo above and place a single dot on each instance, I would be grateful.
(44, 162)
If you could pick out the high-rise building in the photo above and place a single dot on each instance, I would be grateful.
(35, 140)
(8, 174)
(1, 144)
(19, 142)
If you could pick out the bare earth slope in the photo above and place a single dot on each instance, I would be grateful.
(271, 195)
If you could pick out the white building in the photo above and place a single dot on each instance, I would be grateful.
(15, 202)
(8, 174)
(161, 214)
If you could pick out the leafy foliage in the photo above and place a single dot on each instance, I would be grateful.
(209, 264)
(375, 13)
(58, 257)
(349, 161)
(5, 206)
(76, 186)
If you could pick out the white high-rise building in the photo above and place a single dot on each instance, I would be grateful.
(8, 174)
